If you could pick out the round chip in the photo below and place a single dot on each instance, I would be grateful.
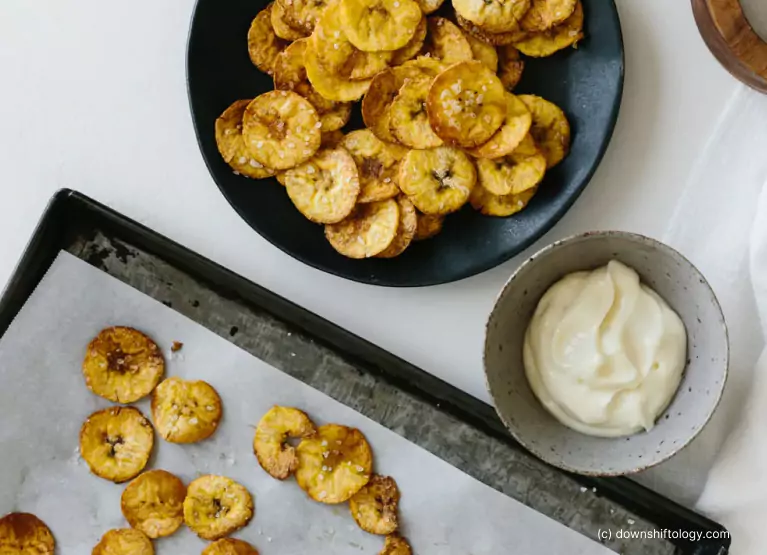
(408, 117)
(428, 225)
(512, 174)
(335, 463)
(270, 443)
(339, 56)
(303, 14)
(446, 42)
(550, 128)
(376, 105)
(122, 365)
(466, 104)
(25, 534)
(368, 231)
(511, 133)
(496, 16)
(375, 25)
(116, 443)
(185, 411)
(230, 546)
(430, 6)
(510, 66)
(290, 74)
(374, 507)
(332, 87)
(126, 541)
(377, 164)
(154, 503)
(545, 14)
(216, 506)
(546, 43)
(483, 52)
(408, 222)
(231, 145)
(500, 205)
(324, 189)
(438, 181)
(281, 129)
(263, 44)
(282, 27)
(509, 37)
(413, 47)
(396, 545)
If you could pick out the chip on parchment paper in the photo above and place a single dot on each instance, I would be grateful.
(396, 545)
(270, 444)
(186, 411)
(325, 188)
(263, 44)
(408, 223)
(439, 180)
(379, 25)
(122, 365)
(550, 128)
(216, 506)
(125, 541)
(514, 129)
(377, 164)
(374, 507)
(232, 146)
(230, 546)
(116, 443)
(466, 104)
(546, 43)
(368, 230)
(409, 118)
(24, 533)
(154, 503)
(336, 462)
(500, 205)
(446, 42)
(281, 129)
(496, 16)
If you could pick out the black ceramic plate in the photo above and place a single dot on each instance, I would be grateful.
(587, 83)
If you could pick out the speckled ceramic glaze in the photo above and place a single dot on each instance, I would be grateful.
(675, 279)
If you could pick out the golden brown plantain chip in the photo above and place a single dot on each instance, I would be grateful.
(483, 51)
(154, 503)
(396, 545)
(408, 222)
(413, 47)
(510, 67)
(303, 14)
(324, 189)
(230, 546)
(377, 103)
(438, 181)
(281, 129)
(126, 541)
(232, 146)
(25, 534)
(374, 507)
(466, 104)
(116, 443)
(335, 463)
(377, 164)
(282, 27)
(509, 37)
(270, 443)
(511, 133)
(368, 231)
(545, 14)
(216, 506)
(122, 365)
(446, 42)
(379, 25)
(332, 87)
(521, 170)
(186, 411)
(263, 44)
(408, 116)
(496, 16)
(428, 226)
(500, 205)
(546, 43)
(550, 128)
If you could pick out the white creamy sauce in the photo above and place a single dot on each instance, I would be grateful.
(604, 353)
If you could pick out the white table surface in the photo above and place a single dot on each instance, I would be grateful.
(93, 98)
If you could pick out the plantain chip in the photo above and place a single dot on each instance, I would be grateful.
(512, 174)
(396, 545)
(270, 443)
(282, 27)
(368, 231)
(263, 44)
(330, 86)
(510, 67)
(446, 42)
(428, 225)
(511, 133)
(546, 43)
(550, 129)
(377, 164)
(496, 16)
(303, 14)
(230, 546)
(408, 222)
(509, 37)
(483, 51)
(374, 507)
(186, 411)
(335, 463)
(216, 506)
(232, 146)
(126, 541)
(376, 25)
(116, 443)
(154, 503)
(408, 116)
(439, 180)
(25, 534)
(545, 14)
(500, 205)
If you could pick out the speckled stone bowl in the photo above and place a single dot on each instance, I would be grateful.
(675, 279)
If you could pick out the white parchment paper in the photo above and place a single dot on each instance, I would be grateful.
(44, 402)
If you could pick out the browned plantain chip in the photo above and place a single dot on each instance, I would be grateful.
(216, 506)
(154, 503)
(439, 180)
(282, 27)
(510, 66)
(545, 14)
(374, 507)
(446, 42)
(514, 129)
(232, 146)
(550, 128)
(263, 44)
(408, 222)
(368, 231)
(270, 443)
(496, 16)
(230, 546)
(186, 411)
(377, 164)
(396, 545)
(428, 226)
(25, 534)
(126, 541)
(546, 43)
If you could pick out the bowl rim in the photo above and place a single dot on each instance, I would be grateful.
(634, 237)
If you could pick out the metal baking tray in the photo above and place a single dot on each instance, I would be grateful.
(427, 411)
